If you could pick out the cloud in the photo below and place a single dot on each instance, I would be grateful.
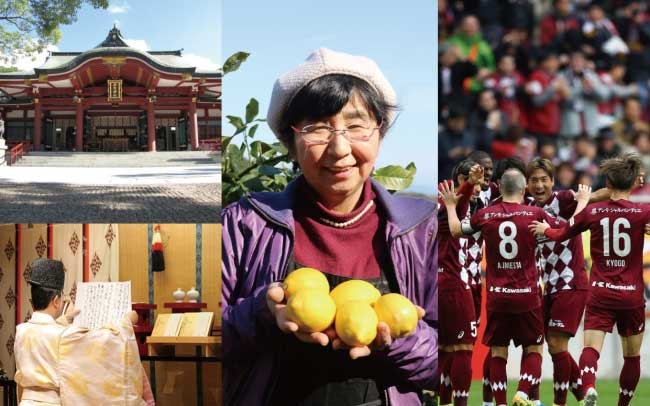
(140, 44)
(119, 9)
(200, 62)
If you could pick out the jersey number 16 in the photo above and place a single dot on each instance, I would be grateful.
(620, 240)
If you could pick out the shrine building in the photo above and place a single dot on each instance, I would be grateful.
(112, 98)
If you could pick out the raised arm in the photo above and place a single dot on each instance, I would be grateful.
(448, 194)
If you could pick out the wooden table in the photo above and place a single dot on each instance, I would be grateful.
(206, 349)
(9, 396)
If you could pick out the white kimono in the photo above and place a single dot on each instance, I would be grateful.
(65, 365)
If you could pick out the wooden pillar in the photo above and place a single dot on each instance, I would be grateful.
(38, 125)
(79, 138)
(194, 126)
(19, 273)
(151, 127)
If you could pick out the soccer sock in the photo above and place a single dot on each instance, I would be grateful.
(576, 382)
(629, 379)
(531, 371)
(561, 376)
(445, 360)
(461, 376)
(499, 379)
(588, 368)
(487, 386)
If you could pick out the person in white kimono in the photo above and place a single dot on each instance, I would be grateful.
(38, 341)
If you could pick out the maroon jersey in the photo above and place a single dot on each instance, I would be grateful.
(512, 273)
(562, 263)
(450, 250)
(617, 228)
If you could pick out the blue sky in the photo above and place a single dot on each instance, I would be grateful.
(150, 24)
(401, 39)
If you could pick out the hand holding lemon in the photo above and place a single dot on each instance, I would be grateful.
(354, 315)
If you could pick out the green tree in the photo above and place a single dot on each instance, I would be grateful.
(28, 26)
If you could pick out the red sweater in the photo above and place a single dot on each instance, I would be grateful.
(355, 251)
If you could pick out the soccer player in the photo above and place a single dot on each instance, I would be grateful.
(616, 281)
(565, 279)
(457, 320)
(514, 308)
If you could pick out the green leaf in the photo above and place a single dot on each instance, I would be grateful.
(234, 61)
(252, 131)
(238, 123)
(395, 177)
(252, 109)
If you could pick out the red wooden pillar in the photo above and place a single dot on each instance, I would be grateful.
(38, 125)
(85, 249)
(50, 241)
(151, 127)
(194, 125)
(19, 273)
(79, 139)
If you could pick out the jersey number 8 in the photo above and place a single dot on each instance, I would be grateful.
(508, 246)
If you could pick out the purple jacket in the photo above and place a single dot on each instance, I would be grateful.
(258, 235)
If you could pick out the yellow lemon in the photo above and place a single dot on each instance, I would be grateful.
(398, 313)
(354, 290)
(312, 309)
(356, 323)
(305, 278)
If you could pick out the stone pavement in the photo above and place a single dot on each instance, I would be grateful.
(68, 203)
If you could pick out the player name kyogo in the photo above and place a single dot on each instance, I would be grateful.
(488, 216)
(619, 263)
(499, 289)
(612, 286)
(509, 265)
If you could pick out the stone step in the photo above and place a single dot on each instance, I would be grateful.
(119, 159)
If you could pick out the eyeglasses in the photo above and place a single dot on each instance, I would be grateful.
(323, 134)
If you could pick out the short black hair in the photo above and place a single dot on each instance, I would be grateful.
(478, 155)
(326, 96)
(462, 168)
(508, 163)
(42, 297)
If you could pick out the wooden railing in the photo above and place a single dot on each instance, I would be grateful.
(16, 152)
(211, 144)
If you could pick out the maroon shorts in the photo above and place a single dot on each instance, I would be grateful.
(456, 316)
(563, 311)
(523, 329)
(628, 322)
(477, 294)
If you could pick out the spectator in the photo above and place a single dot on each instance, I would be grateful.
(559, 29)
(545, 91)
(548, 150)
(634, 26)
(584, 159)
(565, 176)
(455, 141)
(617, 89)
(452, 73)
(472, 47)
(506, 82)
(488, 122)
(580, 105)
(600, 36)
(607, 146)
(625, 128)
(516, 43)
(641, 146)
(520, 15)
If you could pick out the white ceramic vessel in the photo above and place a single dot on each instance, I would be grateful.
(193, 295)
(179, 295)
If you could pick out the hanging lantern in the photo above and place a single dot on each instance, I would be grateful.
(157, 257)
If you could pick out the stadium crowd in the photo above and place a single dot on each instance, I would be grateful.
(563, 80)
